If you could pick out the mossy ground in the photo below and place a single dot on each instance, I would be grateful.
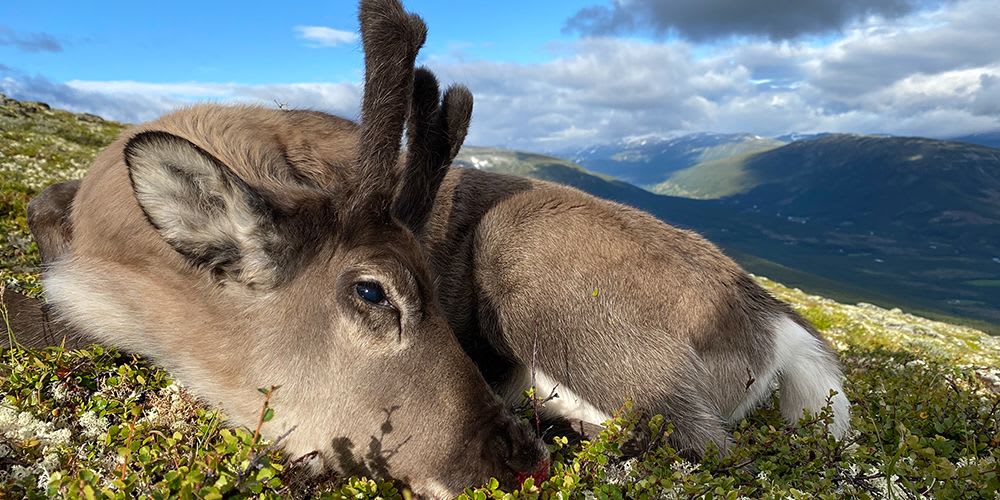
(98, 423)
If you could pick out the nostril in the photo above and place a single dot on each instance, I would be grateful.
(500, 446)
(526, 455)
(529, 456)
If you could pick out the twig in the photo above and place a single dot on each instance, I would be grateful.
(534, 398)
(11, 339)
(128, 445)
(263, 411)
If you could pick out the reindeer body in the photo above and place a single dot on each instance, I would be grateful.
(605, 304)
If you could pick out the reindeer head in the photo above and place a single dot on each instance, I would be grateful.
(235, 268)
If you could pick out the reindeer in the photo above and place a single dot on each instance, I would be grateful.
(246, 247)
(240, 247)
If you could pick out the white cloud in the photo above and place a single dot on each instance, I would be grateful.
(136, 102)
(322, 36)
(933, 73)
(930, 73)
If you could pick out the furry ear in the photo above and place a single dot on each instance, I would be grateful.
(203, 210)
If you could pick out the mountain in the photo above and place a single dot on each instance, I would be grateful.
(989, 139)
(915, 213)
(902, 222)
(648, 161)
(546, 168)
(852, 218)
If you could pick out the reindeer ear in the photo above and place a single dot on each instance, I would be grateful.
(203, 210)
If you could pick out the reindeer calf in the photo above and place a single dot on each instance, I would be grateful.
(241, 247)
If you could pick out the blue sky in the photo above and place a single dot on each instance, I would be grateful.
(547, 76)
(254, 42)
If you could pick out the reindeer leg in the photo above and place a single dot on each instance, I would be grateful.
(27, 323)
(48, 218)
(696, 423)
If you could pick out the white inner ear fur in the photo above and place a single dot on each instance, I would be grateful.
(196, 207)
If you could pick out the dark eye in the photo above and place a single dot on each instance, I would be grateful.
(371, 292)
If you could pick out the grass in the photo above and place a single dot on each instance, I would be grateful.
(96, 423)
(711, 179)
(984, 283)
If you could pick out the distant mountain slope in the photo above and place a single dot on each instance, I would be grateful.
(710, 179)
(546, 168)
(645, 162)
(876, 182)
(988, 139)
(840, 215)
(853, 166)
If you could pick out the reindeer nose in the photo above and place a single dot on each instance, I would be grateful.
(517, 449)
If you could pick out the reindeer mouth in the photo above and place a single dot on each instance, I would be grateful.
(539, 474)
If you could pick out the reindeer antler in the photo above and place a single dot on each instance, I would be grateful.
(435, 133)
(391, 39)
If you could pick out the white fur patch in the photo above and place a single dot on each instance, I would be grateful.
(808, 373)
(566, 404)
(81, 298)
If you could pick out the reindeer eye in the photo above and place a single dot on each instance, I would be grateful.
(371, 292)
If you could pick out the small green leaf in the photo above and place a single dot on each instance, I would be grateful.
(268, 415)
(265, 474)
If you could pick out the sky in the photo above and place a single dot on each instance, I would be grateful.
(547, 76)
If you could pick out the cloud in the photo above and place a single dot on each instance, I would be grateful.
(322, 36)
(878, 55)
(136, 102)
(29, 42)
(701, 20)
(986, 99)
(931, 73)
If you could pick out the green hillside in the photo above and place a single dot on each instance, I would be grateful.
(648, 162)
(711, 179)
(97, 423)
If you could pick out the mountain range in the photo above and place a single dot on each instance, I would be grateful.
(908, 222)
